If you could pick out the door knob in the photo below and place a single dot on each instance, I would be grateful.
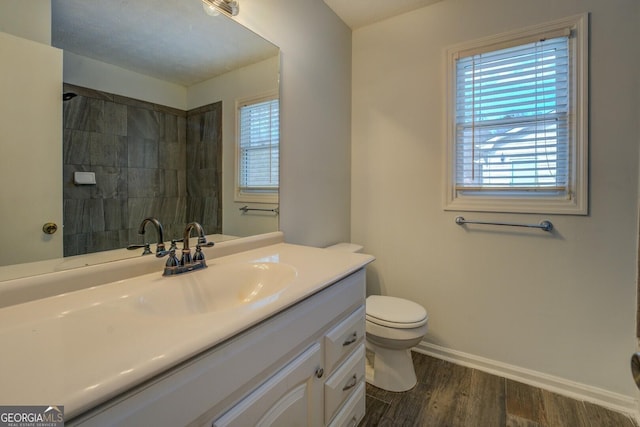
(49, 228)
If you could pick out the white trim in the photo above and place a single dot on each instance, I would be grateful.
(615, 401)
(578, 203)
(521, 36)
(242, 197)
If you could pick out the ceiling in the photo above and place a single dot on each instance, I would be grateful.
(175, 41)
(358, 13)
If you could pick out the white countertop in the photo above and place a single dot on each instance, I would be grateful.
(81, 348)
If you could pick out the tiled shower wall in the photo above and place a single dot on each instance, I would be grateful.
(149, 160)
(204, 166)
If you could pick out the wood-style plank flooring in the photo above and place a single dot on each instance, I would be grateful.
(449, 395)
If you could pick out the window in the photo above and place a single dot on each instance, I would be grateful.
(258, 153)
(517, 121)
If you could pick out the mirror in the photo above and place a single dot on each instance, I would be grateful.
(152, 88)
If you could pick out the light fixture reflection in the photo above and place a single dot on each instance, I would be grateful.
(210, 9)
(214, 7)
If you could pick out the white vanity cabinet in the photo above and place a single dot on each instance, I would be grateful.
(301, 367)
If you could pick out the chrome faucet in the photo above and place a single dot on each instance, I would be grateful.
(187, 262)
(160, 245)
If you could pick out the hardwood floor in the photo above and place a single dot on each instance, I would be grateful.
(455, 396)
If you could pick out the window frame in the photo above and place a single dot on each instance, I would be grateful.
(262, 196)
(576, 201)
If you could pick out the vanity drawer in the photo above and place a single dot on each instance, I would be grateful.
(353, 411)
(343, 338)
(343, 382)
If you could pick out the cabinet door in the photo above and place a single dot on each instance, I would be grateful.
(292, 397)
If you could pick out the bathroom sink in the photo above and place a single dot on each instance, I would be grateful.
(216, 288)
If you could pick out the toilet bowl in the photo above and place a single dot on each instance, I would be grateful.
(393, 327)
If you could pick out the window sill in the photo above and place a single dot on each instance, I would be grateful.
(256, 198)
(559, 206)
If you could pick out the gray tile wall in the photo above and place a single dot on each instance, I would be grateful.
(204, 166)
(149, 160)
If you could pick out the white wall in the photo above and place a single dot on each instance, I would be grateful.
(315, 89)
(560, 304)
(86, 72)
(252, 80)
(29, 19)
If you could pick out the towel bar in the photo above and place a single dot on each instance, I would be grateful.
(543, 225)
(246, 209)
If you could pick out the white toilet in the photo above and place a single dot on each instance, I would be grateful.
(393, 327)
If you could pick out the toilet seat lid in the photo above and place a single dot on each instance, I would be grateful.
(395, 312)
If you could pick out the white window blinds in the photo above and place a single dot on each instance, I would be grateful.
(259, 136)
(512, 119)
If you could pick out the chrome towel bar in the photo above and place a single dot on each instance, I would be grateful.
(543, 225)
(246, 209)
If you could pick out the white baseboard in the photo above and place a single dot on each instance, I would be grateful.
(615, 401)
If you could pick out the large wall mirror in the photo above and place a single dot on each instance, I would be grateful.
(151, 94)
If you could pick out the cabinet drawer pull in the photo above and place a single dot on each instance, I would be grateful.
(352, 338)
(351, 384)
(319, 372)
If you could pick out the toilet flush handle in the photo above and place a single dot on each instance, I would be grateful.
(635, 368)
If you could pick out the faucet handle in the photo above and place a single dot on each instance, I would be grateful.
(173, 260)
(162, 251)
(199, 255)
(174, 246)
(146, 246)
(202, 241)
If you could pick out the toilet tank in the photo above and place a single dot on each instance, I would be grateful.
(346, 247)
